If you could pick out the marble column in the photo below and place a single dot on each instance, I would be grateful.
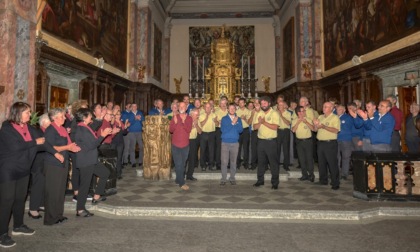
(278, 52)
(17, 50)
(305, 42)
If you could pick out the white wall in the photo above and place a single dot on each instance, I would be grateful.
(264, 48)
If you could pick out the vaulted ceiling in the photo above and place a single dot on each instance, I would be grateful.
(220, 8)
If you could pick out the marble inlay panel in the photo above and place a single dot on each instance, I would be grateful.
(22, 50)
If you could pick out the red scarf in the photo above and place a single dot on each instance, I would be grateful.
(23, 131)
(62, 132)
(84, 125)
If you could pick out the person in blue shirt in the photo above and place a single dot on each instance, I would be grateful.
(344, 138)
(231, 128)
(124, 119)
(381, 126)
(158, 108)
(135, 118)
(357, 127)
(371, 113)
(190, 106)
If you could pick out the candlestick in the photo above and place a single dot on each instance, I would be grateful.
(255, 68)
(242, 68)
(190, 68)
(196, 66)
(249, 68)
(203, 67)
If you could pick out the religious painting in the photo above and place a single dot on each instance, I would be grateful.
(201, 38)
(361, 26)
(289, 50)
(157, 53)
(96, 27)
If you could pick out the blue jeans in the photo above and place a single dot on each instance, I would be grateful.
(180, 156)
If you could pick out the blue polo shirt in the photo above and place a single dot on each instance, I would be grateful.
(381, 128)
(135, 125)
(346, 122)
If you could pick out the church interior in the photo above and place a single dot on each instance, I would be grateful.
(55, 52)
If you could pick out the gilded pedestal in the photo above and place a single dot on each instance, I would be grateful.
(157, 148)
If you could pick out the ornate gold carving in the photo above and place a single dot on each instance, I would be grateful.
(178, 84)
(20, 94)
(141, 69)
(266, 81)
(400, 179)
(157, 148)
(387, 177)
(371, 177)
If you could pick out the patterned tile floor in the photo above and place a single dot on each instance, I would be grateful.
(292, 194)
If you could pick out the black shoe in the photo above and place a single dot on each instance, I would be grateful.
(74, 198)
(253, 167)
(212, 168)
(119, 177)
(246, 166)
(84, 213)
(335, 187)
(258, 184)
(41, 209)
(222, 183)
(134, 166)
(35, 217)
(344, 177)
(124, 164)
(140, 164)
(303, 178)
(192, 179)
(321, 183)
(23, 230)
(218, 167)
(6, 241)
(287, 169)
(275, 187)
(63, 219)
(232, 182)
(312, 178)
(96, 201)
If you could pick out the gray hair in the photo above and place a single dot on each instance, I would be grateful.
(43, 119)
(53, 113)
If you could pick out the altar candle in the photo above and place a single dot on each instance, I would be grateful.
(190, 68)
(203, 67)
(196, 66)
(249, 68)
(242, 68)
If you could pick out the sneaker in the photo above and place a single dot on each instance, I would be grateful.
(23, 230)
(89, 197)
(6, 241)
(74, 198)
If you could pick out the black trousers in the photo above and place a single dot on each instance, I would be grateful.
(55, 190)
(306, 160)
(267, 154)
(207, 142)
(283, 143)
(120, 149)
(243, 143)
(12, 202)
(86, 174)
(218, 147)
(37, 189)
(192, 157)
(327, 161)
(254, 142)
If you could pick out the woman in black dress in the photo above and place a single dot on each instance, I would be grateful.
(18, 146)
(56, 172)
(87, 160)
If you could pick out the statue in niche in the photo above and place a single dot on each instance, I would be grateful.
(178, 84)
(266, 81)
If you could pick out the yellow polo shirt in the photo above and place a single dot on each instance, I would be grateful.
(286, 114)
(302, 131)
(256, 116)
(310, 114)
(220, 114)
(271, 117)
(244, 112)
(210, 126)
(331, 121)
(193, 133)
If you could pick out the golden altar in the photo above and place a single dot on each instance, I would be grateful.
(222, 76)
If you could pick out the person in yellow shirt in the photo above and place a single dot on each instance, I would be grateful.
(193, 153)
(303, 127)
(208, 123)
(267, 145)
(245, 115)
(283, 133)
(327, 127)
(220, 112)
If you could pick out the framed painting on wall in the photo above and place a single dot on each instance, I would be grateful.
(96, 27)
(289, 50)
